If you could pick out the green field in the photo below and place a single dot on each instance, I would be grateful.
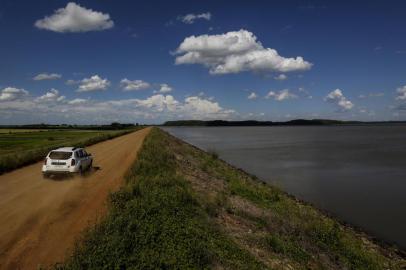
(19, 147)
(183, 208)
(12, 130)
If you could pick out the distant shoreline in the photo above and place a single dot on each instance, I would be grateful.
(296, 122)
(208, 123)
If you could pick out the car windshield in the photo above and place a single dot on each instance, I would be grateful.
(60, 155)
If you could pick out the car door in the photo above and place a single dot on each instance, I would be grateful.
(77, 157)
(86, 158)
(82, 161)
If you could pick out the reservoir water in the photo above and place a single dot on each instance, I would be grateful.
(357, 173)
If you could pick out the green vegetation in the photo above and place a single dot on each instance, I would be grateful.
(112, 126)
(294, 230)
(185, 208)
(13, 130)
(22, 147)
(287, 247)
(156, 221)
(296, 122)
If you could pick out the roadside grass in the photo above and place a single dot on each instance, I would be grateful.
(183, 208)
(295, 230)
(254, 191)
(157, 222)
(19, 148)
(287, 247)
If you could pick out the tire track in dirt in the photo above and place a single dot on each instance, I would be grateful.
(41, 218)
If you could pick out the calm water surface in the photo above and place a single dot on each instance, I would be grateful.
(357, 173)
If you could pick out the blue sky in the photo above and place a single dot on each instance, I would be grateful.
(103, 61)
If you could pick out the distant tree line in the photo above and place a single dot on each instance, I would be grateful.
(112, 126)
(296, 122)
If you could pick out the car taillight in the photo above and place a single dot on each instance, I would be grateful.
(45, 161)
(73, 162)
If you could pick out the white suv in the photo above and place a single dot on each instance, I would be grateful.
(67, 160)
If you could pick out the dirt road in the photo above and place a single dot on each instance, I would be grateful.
(41, 218)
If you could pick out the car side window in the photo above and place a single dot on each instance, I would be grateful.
(77, 154)
(85, 153)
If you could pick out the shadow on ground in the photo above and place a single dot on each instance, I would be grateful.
(70, 176)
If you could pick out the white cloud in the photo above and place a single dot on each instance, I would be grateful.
(234, 52)
(94, 83)
(75, 18)
(165, 88)
(200, 108)
(281, 95)
(194, 107)
(78, 101)
(135, 85)
(47, 76)
(337, 97)
(281, 77)
(157, 107)
(366, 111)
(253, 95)
(190, 18)
(51, 96)
(12, 93)
(159, 103)
(401, 107)
(305, 93)
(71, 82)
(401, 93)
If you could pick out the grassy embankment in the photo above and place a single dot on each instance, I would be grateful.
(22, 147)
(184, 208)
